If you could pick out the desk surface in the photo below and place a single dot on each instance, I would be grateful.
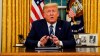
(95, 49)
(79, 50)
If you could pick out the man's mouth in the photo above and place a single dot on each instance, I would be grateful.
(52, 17)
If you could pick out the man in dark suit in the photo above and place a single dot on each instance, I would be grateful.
(50, 31)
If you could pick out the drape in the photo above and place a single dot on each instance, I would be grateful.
(15, 21)
(91, 12)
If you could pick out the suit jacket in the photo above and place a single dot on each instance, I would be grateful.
(40, 28)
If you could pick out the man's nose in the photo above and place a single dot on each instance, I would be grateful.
(51, 13)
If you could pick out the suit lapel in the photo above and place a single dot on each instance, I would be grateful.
(58, 31)
(45, 28)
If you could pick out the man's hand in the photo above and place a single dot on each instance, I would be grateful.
(55, 40)
(44, 40)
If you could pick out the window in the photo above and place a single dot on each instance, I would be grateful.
(62, 7)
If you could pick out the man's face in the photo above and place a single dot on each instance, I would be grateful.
(51, 14)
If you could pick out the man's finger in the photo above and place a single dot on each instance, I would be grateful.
(50, 37)
(47, 37)
(43, 38)
(42, 44)
(54, 36)
(55, 39)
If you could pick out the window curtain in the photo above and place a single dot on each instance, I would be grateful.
(15, 21)
(91, 12)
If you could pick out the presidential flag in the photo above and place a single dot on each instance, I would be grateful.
(74, 15)
(36, 10)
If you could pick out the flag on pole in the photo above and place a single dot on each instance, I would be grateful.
(71, 13)
(74, 14)
(36, 10)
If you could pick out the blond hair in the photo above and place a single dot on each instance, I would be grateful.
(49, 5)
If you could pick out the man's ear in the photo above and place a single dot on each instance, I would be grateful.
(58, 14)
(43, 14)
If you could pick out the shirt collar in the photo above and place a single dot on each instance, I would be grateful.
(54, 25)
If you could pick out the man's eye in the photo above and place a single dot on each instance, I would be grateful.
(53, 11)
(48, 11)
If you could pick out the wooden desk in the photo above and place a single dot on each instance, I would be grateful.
(52, 54)
(80, 51)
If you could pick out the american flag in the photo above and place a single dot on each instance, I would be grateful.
(71, 13)
(36, 10)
